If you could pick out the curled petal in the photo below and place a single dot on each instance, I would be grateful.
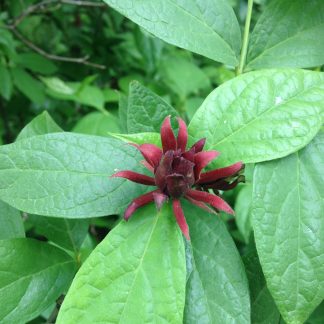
(182, 135)
(198, 146)
(189, 155)
(210, 199)
(214, 175)
(164, 169)
(200, 205)
(167, 136)
(151, 153)
(135, 177)
(179, 215)
(137, 203)
(202, 159)
(159, 199)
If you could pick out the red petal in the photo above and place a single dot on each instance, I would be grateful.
(135, 177)
(182, 135)
(159, 199)
(179, 215)
(137, 203)
(202, 159)
(198, 146)
(214, 175)
(167, 136)
(210, 199)
(200, 205)
(151, 153)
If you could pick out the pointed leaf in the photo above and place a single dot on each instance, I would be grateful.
(288, 223)
(136, 275)
(206, 27)
(146, 110)
(33, 275)
(261, 115)
(67, 175)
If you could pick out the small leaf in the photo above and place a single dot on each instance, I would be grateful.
(288, 223)
(217, 289)
(139, 138)
(243, 211)
(206, 27)
(97, 123)
(33, 275)
(11, 224)
(36, 63)
(288, 34)
(262, 115)
(263, 307)
(67, 233)
(68, 175)
(146, 110)
(5, 83)
(136, 275)
(42, 124)
(29, 86)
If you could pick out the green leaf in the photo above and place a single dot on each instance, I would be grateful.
(136, 275)
(139, 138)
(29, 86)
(263, 307)
(11, 224)
(146, 110)
(262, 115)
(5, 83)
(122, 112)
(288, 34)
(67, 233)
(217, 289)
(36, 63)
(182, 76)
(80, 92)
(243, 211)
(70, 175)
(288, 223)
(206, 27)
(97, 123)
(42, 124)
(33, 275)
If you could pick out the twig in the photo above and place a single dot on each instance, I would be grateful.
(78, 60)
(45, 3)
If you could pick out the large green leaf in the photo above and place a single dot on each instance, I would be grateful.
(139, 138)
(217, 288)
(42, 124)
(67, 175)
(33, 275)
(67, 233)
(206, 27)
(288, 34)
(263, 307)
(288, 222)
(261, 115)
(11, 224)
(146, 110)
(136, 275)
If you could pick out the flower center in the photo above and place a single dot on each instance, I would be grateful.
(174, 174)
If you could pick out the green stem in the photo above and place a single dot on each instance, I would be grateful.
(245, 38)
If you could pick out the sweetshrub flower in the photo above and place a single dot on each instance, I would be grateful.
(177, 171)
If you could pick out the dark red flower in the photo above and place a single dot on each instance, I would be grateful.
(176, 171)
